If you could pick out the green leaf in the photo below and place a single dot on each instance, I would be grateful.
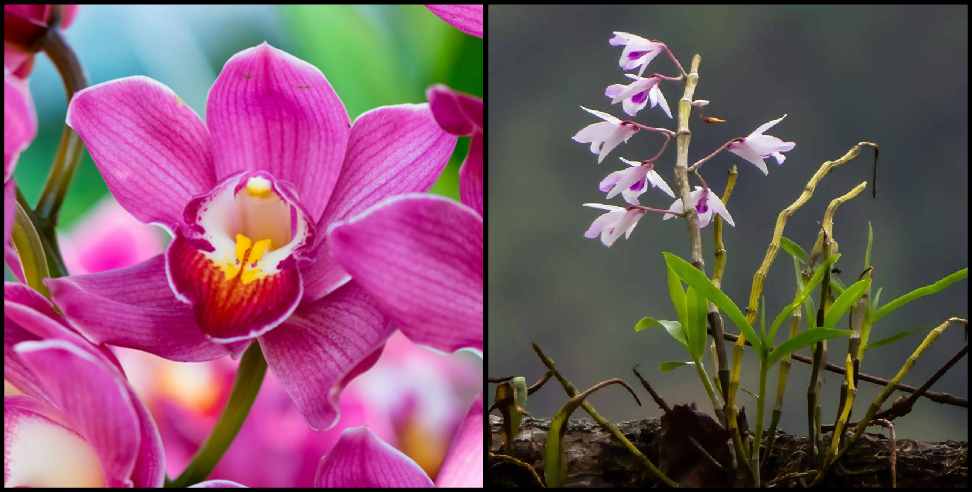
(845, 301)
(695, 310)
(697, 279)
(804, 339)
(794, 249)
(889, 340)
(815, 280)
(927, 290)
(877, 298)
(867, 250)
(676, 294)
(670, 365)
(674, 328)
(553, 466)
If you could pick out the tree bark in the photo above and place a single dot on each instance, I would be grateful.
(593, 458)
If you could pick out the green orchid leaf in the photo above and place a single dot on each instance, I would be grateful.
(889, 340)
(804, 294)
(804, 339)
(845, 300)
(674, 328)
(698, 280)
(920, 292)
(794, 249)
(670, 365)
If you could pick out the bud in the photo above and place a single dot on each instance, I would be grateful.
(713, 120)
(700, 103)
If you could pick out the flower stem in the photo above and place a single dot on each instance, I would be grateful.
(249, 377)
(68, 151)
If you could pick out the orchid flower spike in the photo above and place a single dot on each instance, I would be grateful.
(616, 221)
(756, 146)
(606, 135)
(705, 203)
(638, 52)
(632, 182)
(638, 94)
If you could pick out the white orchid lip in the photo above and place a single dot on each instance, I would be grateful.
(251, 225)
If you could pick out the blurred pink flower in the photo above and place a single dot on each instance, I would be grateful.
(19, 129)
(362, 459)
(76, 421)
(275, 447)
(466, 18)
(459, 113)
(109, 237)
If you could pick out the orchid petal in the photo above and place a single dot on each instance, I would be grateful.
(661, 100)
(602, 115)
(361, 459)
(471, 175)
(391, 150)
(743, 150)
(656, 181)
(19, 122)
(35, 442)
(766, 126)
(134, 307)
(421, 257)
(456, 112)
(466, 18)
(150, 147)
(85, 390)
(320, 345)
(602, 222)
(218, 484)
(271, 111)
(463, 466)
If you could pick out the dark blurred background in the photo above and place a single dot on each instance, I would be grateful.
(895, 75)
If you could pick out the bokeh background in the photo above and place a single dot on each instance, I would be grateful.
(372, 55)
(896, 75)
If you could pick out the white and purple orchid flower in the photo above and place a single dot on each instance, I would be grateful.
(755, 147)
(706, 203)
(75, 422)
(606, 135)
(361, 459)
(247, 195)
(636, 95)
(631, 183)
(617, 221)
(638, 52)
(466, 18)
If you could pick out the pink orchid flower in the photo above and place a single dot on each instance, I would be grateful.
(633, 182)
(755, 147)
(462, 114)
(638, 52)
(187, 398)
(23, 25)
(706, 203)
(247, 196)
(606, 135)
(108, 237)
(617, 221)
(466, 18)
(636, 95)
(76, 422)
(421, 258)
(361, 459)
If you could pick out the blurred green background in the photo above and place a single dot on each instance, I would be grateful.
(372, 55)
(896, 75)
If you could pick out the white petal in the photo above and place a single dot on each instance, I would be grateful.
(613, 90)
(602, 206)
(600, 223)
(631, 107)
(716, 205)
(744, 151)
(602, 115)
(675, 208)
(779, 157)
(630, 221)
(629, 162)
(766, 126)
(41, 453)
(656, 181)
(661, 100)
(619, 135)
(609, 181)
